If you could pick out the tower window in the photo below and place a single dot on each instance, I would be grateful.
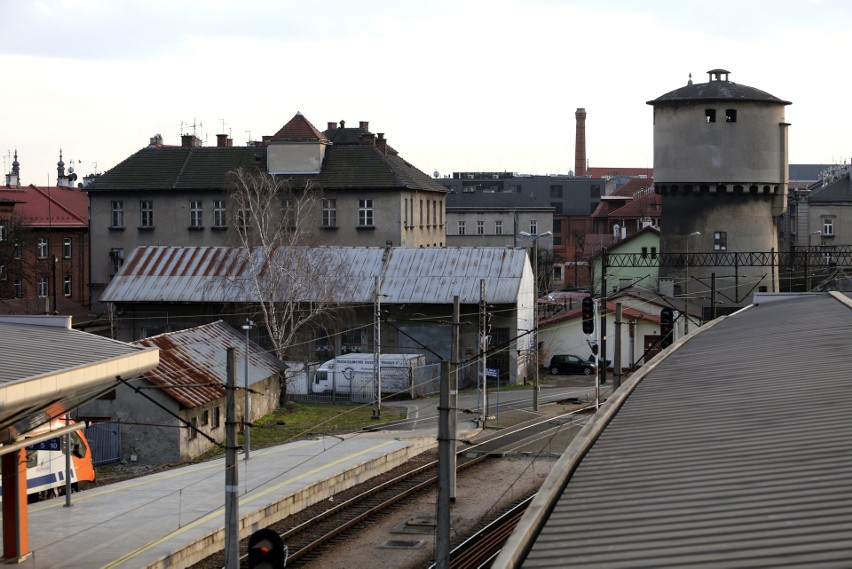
(709, 115)
(730, 115)
(720, 241)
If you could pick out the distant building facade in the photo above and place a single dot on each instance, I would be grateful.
(178, 195)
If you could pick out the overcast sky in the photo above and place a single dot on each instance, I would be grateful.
(456, 85)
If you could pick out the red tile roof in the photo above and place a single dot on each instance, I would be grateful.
(299, 129)
(40, 206)
(600, 172)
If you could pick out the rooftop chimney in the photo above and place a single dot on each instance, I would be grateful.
(364, 125)
(382, 143)
(222, 141)
(189, 141)
(332, 125)
(580, 144)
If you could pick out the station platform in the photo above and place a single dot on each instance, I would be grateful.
(175, 518)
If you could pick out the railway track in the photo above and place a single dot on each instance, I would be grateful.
(306, 540)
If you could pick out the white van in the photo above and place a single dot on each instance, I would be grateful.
(357, 372)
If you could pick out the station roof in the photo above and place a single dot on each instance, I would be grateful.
(733, 448)
(49, 368)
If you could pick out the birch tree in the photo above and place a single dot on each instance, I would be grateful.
(291, 284)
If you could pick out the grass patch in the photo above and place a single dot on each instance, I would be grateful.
(297, 421)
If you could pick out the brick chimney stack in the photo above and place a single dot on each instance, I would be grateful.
(580, 144)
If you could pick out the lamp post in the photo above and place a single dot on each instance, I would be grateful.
(248, 325)
(535, 237)
(807, 261)
(686, 285)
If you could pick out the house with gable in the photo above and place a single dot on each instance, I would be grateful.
(176, 411)
(178, 195)
(44, 250)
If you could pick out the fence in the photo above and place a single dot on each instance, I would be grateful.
(105, 442)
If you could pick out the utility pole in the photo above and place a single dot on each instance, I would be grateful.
(483, 347)
(247, 404)
(232, 512)
(442, 514)
(616, 358)
(454, 391)
(602, 351)
(377, 347)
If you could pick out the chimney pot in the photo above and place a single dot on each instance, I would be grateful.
(222, 140)
(364, 125)
(332, 125)
(382, 143)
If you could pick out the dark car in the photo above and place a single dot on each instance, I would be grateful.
(569, 363)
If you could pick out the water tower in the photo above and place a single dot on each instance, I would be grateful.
(720, 163)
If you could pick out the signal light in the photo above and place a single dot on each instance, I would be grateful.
(666, 327)
(266, 550)
(588, 309)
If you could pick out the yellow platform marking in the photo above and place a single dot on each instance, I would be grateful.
(245, 500)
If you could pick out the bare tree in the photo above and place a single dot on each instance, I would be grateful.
(293, 286)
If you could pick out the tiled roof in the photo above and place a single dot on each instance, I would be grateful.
(733, 449)
(193, 362)
(49, 206)
(840, 190)
(299, 129)
(647, 205)
(606, 172)
(348, 164)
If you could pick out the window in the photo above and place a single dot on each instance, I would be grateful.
(205, 418)
(18, 250)
(329, 213)
(556, 192)
(498, 227)
(730, 115)
(427, 214)
(709, 115)
(461, 227)
(193, 428)
(534, 226)
(653, 252)
(217, 418)
(434, 212)
(828, 227)
(365, 213)
(4, 234)
(421, 213)
(219, 213)
(288, 213)
(405, 213)
(41, 247)
(116, 259)
(720, 241)
(41, 287)
(146, 214)
(19, 288)
(66, 247)
(66, 287)
(195, 218)
(644, 252)
(3, 275)
(117, 219)
(480, 228)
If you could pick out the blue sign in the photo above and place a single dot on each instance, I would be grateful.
(49, 444)
(492, 372)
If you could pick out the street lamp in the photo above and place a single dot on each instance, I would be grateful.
(248, 325)
(686, 286)
(535, 237)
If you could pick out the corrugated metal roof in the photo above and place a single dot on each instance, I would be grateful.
(31, 350)
(734, 451)
(220, 274)
(193, 362)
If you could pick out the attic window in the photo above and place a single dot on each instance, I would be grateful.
(709, 115)
(730, 115)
